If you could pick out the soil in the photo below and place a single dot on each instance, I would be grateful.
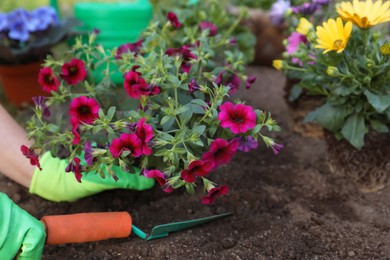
(287, 206)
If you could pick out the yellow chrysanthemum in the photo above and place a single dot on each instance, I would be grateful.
(304, 26)
(277, 64)
(333, 35)
(385, 49)
(365, 13)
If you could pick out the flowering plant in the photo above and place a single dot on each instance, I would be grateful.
(170, 119)
(28, 36)
(346, 61)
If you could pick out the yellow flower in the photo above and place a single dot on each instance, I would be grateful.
(304, 26)
(332, 71)
(278, 64)
(333, 35)
(385, 49)
(365, 13)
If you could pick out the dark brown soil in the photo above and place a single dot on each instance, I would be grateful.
(287, 206)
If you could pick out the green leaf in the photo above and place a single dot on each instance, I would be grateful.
(379, 126)
(111, 113)
(328, 116)
(379, 102)
(199, 102)
(186, 116)
(199, 129)
(165, 136)
(354, 130)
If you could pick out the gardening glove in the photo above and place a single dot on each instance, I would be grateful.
(53, 183)
(21, 234)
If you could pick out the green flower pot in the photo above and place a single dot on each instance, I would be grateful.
(119, 23)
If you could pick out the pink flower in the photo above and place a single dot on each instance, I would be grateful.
(136, 86)
(145, 133)
(74, 71)
(186, 55)
(30, 154)
(197, 168)
(293, 42)
(213, 30)
(84, 109)
(172, 17)
(132, 47)
(213, 193)
(160, 178)
(239, 118)
(74, 166)
(221, 151)
(48, 80)
(126, 142)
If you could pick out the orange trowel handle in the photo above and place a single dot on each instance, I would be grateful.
(86, 227)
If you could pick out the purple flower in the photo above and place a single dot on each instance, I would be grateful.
(39, 102)
(19, 31)
(233, 41)
(293, 42)
(321, 2)
(245, 144)
(249, 81)
(88, 153)
(278, 10)
(193, 86)
(305, 8)
(132, 47)
(232, 81)
(276, 147)
(46, 16)
(3, 22)
(186, 55)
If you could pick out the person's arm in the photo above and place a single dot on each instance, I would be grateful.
(13, 164)
(52, 182)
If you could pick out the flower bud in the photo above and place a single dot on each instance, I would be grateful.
(385, 49)
(332, 71)
(369, 63)
(367, 80)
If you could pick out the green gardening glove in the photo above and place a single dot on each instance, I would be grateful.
(53, 183)
(19, 231)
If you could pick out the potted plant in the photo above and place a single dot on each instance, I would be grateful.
(270, 20)
(26, 37)
(170, 120)
(346, 60)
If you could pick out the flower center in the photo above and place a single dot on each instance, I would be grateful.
(338, 44)
(236, 117)
(83, 110)
(73, 70)
(49, 79)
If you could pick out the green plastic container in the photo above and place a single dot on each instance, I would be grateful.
(119, 23)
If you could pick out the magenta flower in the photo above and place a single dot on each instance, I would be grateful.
(48, 80)
(213, 193)
(84, 109)
(197, 168)
(126, 142)
(245, 144)
(74, 166)
(74, 71)
(74, 121)
(212, 28)
(221, 151)
(228, 79)
(293, 42)
(136, 86)
(145, 133)
(160, 178)
(39, 102)
(249, 81)
(239, 118)
(193, 86)
(186, 55)
(172, 17)
(132, 47)
(30, 154)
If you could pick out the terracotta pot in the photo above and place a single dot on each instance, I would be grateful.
(269, 37)
(367, 168)
(300, 108)
(20, 82)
